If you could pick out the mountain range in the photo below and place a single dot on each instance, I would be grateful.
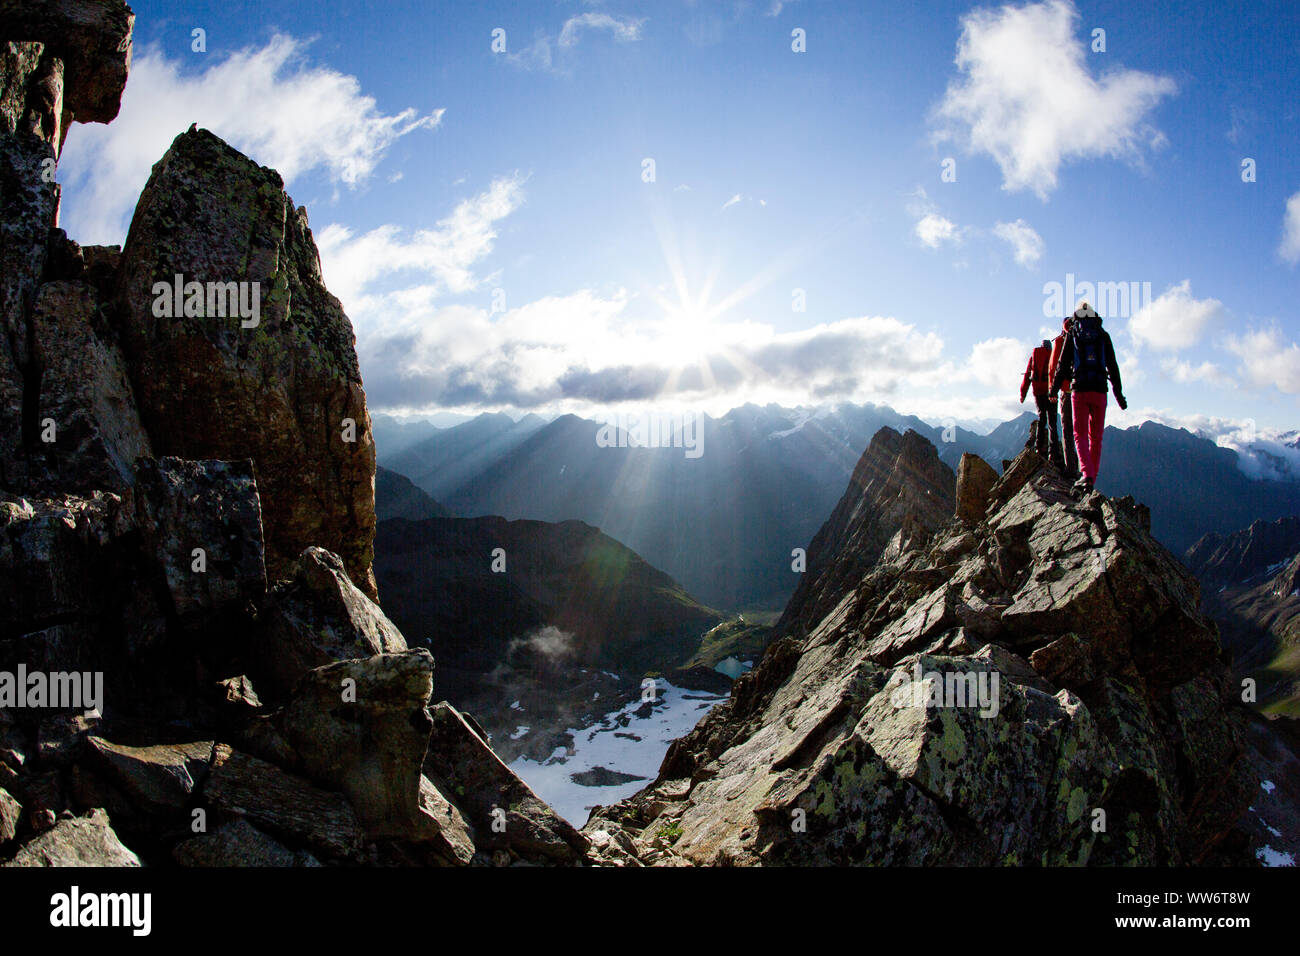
(725, 524)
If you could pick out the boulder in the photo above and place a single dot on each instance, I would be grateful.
(975, 479)
(284, 804)
(361, 727)
(79, 841)
(319, 618)
(11, 811)
(157, 779)
(282, 387)
(463, 766)
(238, 843)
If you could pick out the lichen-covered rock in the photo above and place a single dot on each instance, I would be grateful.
(1037, 687)
(81, 841)
(318, 618)
(282, 387)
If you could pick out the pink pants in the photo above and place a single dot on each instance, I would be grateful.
(1089, 423)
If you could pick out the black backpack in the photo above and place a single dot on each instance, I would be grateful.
(1089, 355)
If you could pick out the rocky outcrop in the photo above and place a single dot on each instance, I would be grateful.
(278, 382)
(317, 618)
(186, 523)
(975, 478)
(91, 41)
(1038, 688)
(900, 492)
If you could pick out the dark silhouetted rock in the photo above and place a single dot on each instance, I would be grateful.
(282, 392)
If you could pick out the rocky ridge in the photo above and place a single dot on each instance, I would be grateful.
(1111, 733)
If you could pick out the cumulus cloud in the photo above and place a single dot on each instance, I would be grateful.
(931, 227)
(586, 350)
(444, 254)
(1026, 244)
(1267, 360)
(934, 230)
(1289, 250)
(1185, 373)
(1175, 320)
(1026, 97)
(268, 102)
(997, 363)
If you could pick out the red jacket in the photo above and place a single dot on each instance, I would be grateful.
(1036, 372)
(1058, 345)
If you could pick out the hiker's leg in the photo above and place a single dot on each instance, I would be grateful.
(1053, 435)
(1067, 434)
(1096, 431)
(1081, 430)
(1041, 445)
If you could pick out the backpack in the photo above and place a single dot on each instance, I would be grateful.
(1089, 355)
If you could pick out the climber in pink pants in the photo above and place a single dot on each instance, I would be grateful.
(1089, 425)
(1087, 361)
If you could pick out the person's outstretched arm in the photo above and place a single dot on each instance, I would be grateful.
(1112, 369)
(1024, 382)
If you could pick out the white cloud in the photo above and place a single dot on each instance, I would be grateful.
(1289, 250)
(624, 30)
(1185, 373)
(1027, 98)
(731, 202)
(1174, 320)
(934, 230)
(997, 363)
(1267, 360)
(445, 254)
(1026, 244)
(541, 53)
(588, 350)
(268, 102)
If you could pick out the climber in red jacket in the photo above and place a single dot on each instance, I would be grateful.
(1037, 375)
(1065, 405)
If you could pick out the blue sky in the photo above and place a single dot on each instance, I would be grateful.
(486, 220)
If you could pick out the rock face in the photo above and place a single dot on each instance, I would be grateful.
(980, 695)
(285, 391)
(1233, 559)
(975, 477)
(186, 522)
(899, 490)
